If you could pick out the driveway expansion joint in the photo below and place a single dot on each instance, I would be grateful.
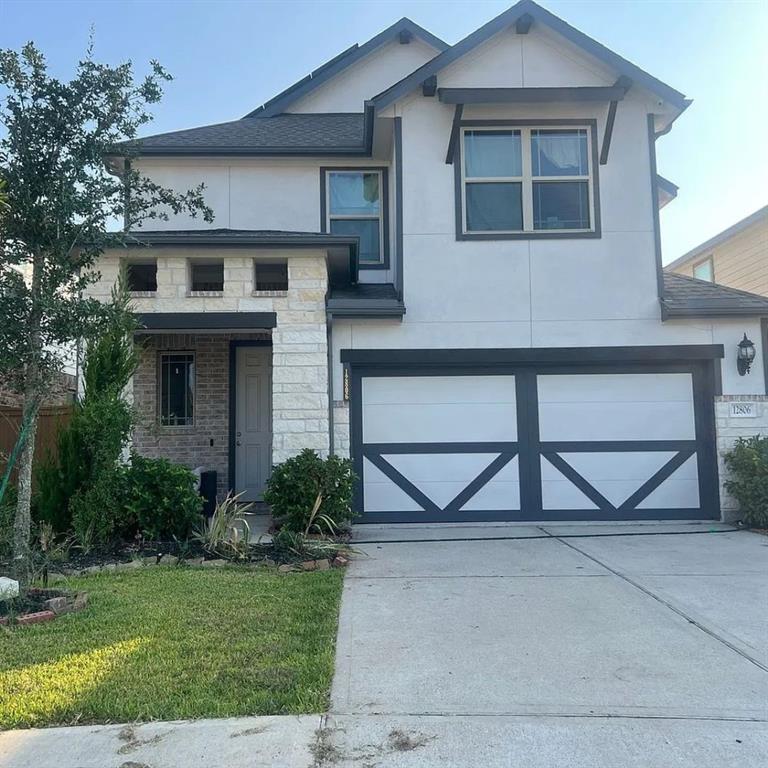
(662, 601)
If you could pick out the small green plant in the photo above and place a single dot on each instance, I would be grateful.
(227, 533)
(49, 548)
(296, 544)
(308, 494)
(160, 499)
(747, 464)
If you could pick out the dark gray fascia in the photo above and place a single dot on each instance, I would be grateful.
(528, 95)
(339, 63)
(712, 308)
(554, 355)
(204, 321)
(257, 151)
(539, 14)
(365, 309)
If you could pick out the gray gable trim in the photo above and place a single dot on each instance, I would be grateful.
(688, 297)
(539, 15)
(713, 242)
(401, 30)
(529, 95)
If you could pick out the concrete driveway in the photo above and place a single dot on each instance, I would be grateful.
(586, 645)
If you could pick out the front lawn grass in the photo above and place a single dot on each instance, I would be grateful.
(175, 643)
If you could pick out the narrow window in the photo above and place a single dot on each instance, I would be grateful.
(355, 208)
(560, 168)
(141, 276)
(494, 181)
(527, 180)
(271, 276)
(206, 275)
(177, 389)
(705, 270)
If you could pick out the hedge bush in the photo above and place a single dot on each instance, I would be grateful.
(747, 464)
(297, 484)
(160, 499)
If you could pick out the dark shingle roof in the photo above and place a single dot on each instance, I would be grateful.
(235, 236)
(288, 133)
(688, 297)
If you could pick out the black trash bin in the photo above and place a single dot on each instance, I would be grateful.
(208, 491)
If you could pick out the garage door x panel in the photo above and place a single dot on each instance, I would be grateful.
(648, 423)
(439, 441)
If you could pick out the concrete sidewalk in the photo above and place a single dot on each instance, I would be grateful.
(252, 742)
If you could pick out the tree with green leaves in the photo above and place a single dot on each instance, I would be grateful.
(62, 200)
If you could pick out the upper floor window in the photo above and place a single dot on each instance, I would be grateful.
(270, 276)
(206, 276)
(141, 276)
(356, 205)
(705, 270)
(527, 180)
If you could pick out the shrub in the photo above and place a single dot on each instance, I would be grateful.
(160, 499)
(97, 511)
(91, 444)
(307, 493)
(747, 463)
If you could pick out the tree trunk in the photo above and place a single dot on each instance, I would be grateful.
(22, 526)
(33, 391)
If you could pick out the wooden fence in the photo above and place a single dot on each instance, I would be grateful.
(49, 422)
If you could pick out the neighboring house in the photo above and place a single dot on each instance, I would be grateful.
(445, 262)
(737, 257)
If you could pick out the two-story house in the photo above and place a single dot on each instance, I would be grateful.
(443, 261)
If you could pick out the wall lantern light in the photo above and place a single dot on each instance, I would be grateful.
(745, 356)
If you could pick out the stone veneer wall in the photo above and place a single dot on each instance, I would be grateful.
(729, 429)
(341, 441)
(299, 352)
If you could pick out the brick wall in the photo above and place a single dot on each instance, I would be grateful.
(729, 429)
(206, 443)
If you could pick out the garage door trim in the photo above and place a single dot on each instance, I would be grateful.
(693, 360)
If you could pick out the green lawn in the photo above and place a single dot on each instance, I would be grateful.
(172, 643)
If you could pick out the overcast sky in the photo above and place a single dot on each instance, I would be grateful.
(227, 57)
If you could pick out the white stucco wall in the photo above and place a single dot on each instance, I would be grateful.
(348, 91)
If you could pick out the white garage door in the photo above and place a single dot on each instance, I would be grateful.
(531, 444)
(441, 445)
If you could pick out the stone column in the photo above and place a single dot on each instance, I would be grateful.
(300, 362)
(729, 429)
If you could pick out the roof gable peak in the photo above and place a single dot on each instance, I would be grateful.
(523, 15)
(403, 30)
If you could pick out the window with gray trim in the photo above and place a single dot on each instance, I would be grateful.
(177, 389)
(354, 207)
(527, 179)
